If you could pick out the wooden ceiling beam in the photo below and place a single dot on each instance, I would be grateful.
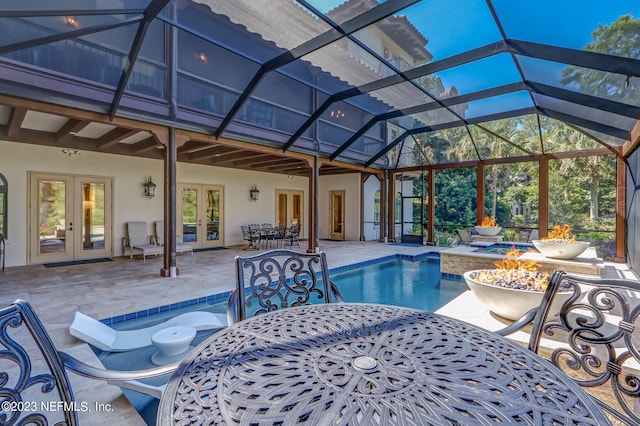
(16, 117)
(68, 132)
(290, 165)
(269, 158)
(195, 146)
(144, 145)
(113, 137)
(215, 151)
(237, 155)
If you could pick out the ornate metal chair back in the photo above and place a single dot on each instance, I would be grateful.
(32, 393)
(279, 279)
(2, 249)
(596, 339)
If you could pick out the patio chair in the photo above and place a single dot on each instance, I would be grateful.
(279, 235)
(34, 370)
(279, 279)
(107, 339)
(2, 249)
(465, 237)
(594, 339)
(268, 235)
(159, 239)
(138, 239)
(250, 236)
(293, 236)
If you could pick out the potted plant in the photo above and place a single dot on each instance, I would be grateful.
(512, 288)
(488, 227)
(561, 243)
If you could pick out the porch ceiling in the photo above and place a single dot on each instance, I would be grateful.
(39, 126)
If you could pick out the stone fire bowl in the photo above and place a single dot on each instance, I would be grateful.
(560, 250)
(489, 231)
(510, 303)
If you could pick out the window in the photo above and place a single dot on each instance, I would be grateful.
(3, 205)
(398, 208)
(376, 209)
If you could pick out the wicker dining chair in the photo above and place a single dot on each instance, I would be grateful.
(279, 279)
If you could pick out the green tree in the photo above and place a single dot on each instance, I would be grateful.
(621, 38)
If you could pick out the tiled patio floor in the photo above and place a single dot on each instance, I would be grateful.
(124, 286)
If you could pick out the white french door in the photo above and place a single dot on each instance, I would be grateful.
(70, 217)
(200, 215)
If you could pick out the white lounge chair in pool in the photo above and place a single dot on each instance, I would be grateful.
(159, 233)
(108, 339)
(138, 239)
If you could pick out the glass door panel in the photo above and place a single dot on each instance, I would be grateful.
(92, 208)
(189, 217)
(54, 226)
(213, 214)
(93, 215)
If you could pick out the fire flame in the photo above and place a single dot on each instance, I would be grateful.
(513, 262)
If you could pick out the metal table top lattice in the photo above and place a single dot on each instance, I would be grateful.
(361, 364)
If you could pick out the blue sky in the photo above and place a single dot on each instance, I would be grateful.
(455, 26)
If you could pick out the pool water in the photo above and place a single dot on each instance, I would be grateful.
(504, 248)
(402, 282)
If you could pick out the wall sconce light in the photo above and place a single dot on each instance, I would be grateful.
(254, 192)
(149, 188)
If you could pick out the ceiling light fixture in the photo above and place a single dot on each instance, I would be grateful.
(202, 57)
(71, 21)
(71, 152)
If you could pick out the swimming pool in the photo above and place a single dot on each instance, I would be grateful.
(412, 283)
(504, 248)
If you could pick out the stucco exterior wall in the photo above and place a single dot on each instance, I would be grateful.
(350, 183)
(129, 202)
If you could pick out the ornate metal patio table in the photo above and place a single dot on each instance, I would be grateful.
(361, 364)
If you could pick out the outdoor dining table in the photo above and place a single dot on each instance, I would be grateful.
(364, 364)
